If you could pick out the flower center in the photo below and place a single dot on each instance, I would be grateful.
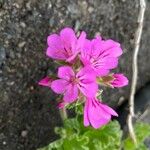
(74, 80)
(68, 52)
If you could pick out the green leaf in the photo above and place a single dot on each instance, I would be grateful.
(71, 123)
(75, 143)
(142, 131)
(79, 108)
(56, 145)
(74, 136)
(62, 132)
(107, 137)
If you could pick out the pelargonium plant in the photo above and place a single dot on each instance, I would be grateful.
(88, 63)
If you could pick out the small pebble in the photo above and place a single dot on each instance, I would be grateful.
(21, 44)
(24, 133)
(4, 142)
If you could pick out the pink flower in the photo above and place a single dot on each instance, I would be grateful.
(61, 105)
(70, 82)
(101, 55)
(119, 80)
(46, 81)
(65, 46)
(96, 113)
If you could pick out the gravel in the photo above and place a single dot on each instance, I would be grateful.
(28, 111)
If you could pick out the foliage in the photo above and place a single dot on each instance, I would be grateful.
(142, 131)
(74, 136)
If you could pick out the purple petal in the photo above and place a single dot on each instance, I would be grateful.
(55, 49)
(108, 63)
(68, 38)
(86, 74)
(46, 81)
(101, 55)
(65, 72)
(99, 37)
(77, 47)
(119, 81)
(87, 81)
(85, 61)
(86, 52)
(81, 41)
(108, 109)
(86, 119)
(88, 89)
(96, 47)
(61, 105)
(97, 115)
(71, 93)
(59, 86)
(111, 48)
(101, 71)
(71, 59)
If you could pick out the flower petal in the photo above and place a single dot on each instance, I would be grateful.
(88, 89)
(81, 41)
(97, 115)
(107, 63)
(77, 47)
(61, 105)
(59, 86)
(109, 109)
(65, 72)
(101, 55)
(101, 71)
(87, 81)
(46, 81)
(71, 59)
(111, 48)
(55, 48)
(86, 74)
(86, 52)
(68, 38)
(85, 61)
(86, 119)
(71, 93)
(119, 80)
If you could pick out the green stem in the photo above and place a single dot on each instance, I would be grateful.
(63, 114)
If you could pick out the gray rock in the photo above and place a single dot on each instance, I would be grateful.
(2, 55)
(23, 31)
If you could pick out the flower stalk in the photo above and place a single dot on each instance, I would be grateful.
(63, 113)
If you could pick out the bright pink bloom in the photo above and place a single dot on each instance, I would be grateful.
(101, 55)
(96, 113)
(61, 105)
(46, 81)
(119, 80)
(70, 82)
(66, 45)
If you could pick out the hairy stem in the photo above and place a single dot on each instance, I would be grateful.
(63, 113)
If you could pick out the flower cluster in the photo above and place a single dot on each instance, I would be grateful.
(87, 65)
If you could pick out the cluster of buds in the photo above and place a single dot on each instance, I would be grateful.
(87, 65)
